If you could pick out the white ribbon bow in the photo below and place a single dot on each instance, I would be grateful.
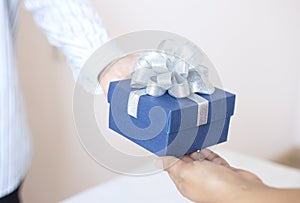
(159, 73)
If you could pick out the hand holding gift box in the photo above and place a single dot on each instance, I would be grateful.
(169, 107)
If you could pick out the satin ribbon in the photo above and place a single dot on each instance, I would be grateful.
(159, 73)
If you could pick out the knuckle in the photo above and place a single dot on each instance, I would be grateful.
(185, 171)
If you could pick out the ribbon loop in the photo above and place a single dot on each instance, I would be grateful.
(157, 73)
(182, 68)
(153, 87)
(165, 80)
(161, 72)
(180, 88)
(140, 77)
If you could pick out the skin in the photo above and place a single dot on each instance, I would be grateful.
(206, 177)
(119, 70)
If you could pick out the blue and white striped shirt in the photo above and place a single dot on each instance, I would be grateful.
(71, 25)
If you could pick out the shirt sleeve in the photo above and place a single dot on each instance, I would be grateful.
(74, 27)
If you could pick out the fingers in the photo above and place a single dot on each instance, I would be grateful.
(210, 156)
(197, 156)
(187, 159)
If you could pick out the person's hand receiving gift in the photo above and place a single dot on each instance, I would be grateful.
(119, 70)
(206, 177)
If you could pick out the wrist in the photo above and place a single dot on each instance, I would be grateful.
(249, 193)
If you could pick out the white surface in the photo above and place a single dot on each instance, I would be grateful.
(159, 188)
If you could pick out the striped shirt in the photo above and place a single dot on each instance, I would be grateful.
(71, 25)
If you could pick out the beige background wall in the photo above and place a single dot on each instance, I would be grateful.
(253, 44)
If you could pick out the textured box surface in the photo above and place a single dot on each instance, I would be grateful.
(166, 125)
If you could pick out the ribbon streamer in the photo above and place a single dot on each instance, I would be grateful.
(159, 73)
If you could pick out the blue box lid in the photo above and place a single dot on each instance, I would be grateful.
(180, 113)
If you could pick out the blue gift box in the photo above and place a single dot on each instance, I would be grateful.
(166, 125)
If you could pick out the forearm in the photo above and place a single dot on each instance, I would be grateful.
(71, 25)
(268, 194)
